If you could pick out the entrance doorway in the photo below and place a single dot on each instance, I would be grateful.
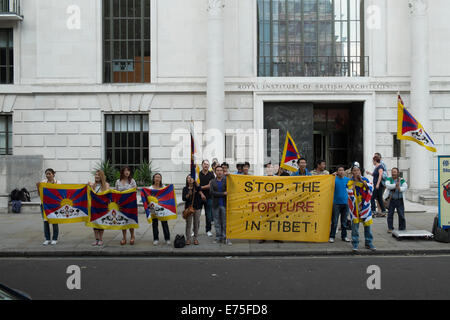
(322, 131)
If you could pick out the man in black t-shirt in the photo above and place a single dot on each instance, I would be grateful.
(205, 177)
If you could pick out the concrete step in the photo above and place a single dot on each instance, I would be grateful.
(429, 200)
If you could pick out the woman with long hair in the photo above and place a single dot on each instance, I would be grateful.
(192, 195)
(126, 182)
(99, 185)
(50, 178)
(156, 185)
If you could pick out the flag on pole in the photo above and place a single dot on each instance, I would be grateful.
(160, 203)
(195, 169)
(64, 203)
(408, 128)
(290, 155)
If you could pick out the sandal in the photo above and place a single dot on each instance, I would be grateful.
(100, 243)
(132, 242)
(95, 243)
(196, 242)
(123, 242)
(188, 242)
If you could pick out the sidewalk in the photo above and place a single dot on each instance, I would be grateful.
(21, 235)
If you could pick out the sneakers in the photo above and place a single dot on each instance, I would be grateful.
(168, 242)
(46, 243)
(155, 243)
(371, 247)
(346, 239)
(331, 240)
(228, 242)
(209, 234)
(390, 231)
(355, 250)
(54, 242)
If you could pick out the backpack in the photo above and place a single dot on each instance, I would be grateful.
(26, 197)
(15, 195)
(180, 241)
(16, 206)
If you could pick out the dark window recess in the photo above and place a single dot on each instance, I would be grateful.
(127, 139)
(6, 147)
(311, 38)
(126, 41)
(6, 56)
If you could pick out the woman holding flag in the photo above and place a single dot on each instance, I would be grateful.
(126, 182)
(50, 178)
(99, 185)
(192, 195)
(157, 185)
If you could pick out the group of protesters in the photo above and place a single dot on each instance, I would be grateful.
(355, 199)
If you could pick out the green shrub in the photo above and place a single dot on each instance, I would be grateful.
(111, 173)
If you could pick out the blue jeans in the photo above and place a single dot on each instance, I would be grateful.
(208, 213)
(339, 210)
(47, 231)
(399, 205)
(220, 222)
(367, 235)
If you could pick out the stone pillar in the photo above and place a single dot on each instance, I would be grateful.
(215, 113)
(420, 92)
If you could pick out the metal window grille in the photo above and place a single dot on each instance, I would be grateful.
(127, 139)
(6, 135)
(6, 56)
(126, 41)
(311, 38)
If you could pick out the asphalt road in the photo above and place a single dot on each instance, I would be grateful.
(290, 278)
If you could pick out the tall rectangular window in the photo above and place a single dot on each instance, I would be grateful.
(126, 41)
(127, 139)
(310, 38)
(6, 147)
(6, 56)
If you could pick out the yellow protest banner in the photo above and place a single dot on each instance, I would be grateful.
(280, 208)
(444, 192)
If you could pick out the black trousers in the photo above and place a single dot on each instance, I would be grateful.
(378, 195)
(165, 227)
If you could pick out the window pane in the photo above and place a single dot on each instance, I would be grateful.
(145, 123)
(109, 123)
(109, 140)
(147, 8)
(117, 123)
(137, 123)
(123, 122)
(2, 140)
(131, 123)
(3, 124)
(106, 7)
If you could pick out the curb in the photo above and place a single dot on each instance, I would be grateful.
(215, 254)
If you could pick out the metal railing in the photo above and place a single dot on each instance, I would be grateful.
(313, 66)
(10, 7)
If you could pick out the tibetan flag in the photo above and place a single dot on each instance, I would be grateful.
(290, 155)
(409, 128)
(160, 203)
(195, 169)
(64, 203)
(113, 210)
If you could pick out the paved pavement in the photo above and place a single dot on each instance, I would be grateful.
(21, 235)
